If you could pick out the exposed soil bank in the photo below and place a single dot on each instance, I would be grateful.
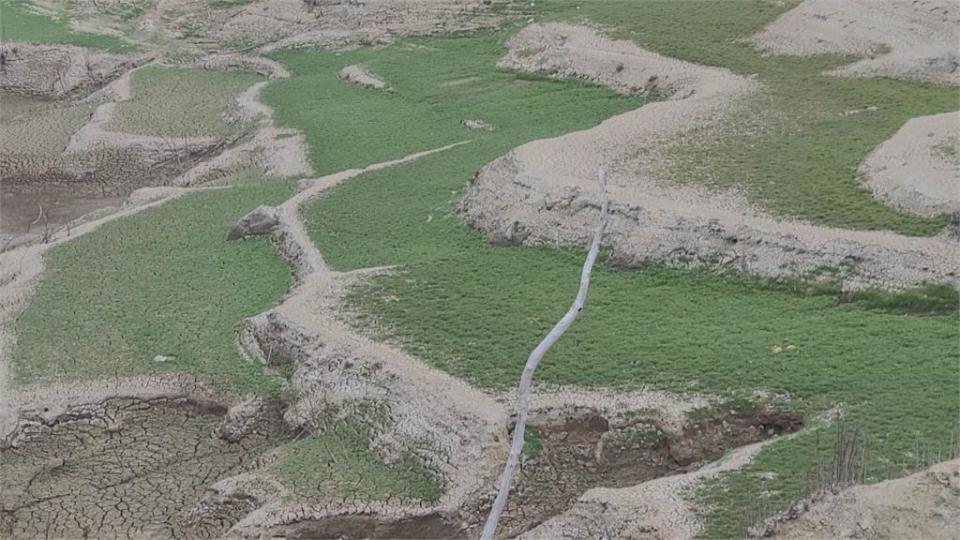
(576, 449)
(430, 526)
(543, 192)
(122, 467)
(922, 505)
(902, 39)
(918, 169)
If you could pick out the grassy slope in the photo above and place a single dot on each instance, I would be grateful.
(165, 281)
(794, 150)
(19, 23)
(180, 102)
(474, 309)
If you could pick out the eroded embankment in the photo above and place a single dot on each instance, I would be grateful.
(925, 504)
(542, 192)
(577, 450)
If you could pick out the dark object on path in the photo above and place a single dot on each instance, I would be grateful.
(262, 220)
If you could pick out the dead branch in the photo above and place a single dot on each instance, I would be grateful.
(526, 379)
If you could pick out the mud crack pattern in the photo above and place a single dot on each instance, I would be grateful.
(124, 468)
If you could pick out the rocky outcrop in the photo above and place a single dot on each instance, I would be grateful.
(259, 221)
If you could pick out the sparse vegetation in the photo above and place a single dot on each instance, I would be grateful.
(338, 463)
(223, 4)
(181, 102)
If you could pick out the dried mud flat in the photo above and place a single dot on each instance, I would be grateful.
(902, 39)
(122, 467)
(457, 430)
(542, 192)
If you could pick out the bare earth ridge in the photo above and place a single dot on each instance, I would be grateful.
(539, 193)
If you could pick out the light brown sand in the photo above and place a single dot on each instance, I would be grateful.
(902, 39)
(922, 505)
(357, 74)
(918, 169)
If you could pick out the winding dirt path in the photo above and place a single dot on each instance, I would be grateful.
(461, 425)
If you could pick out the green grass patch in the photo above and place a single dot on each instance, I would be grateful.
(532, 443)
(796, 148)
(19, 21)
(926, 300)
(181, 102)
(338, 462)
(352, 126)
(162, 282)
(223, 4)
(475, 310)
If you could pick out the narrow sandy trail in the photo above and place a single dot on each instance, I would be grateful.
(454, 427)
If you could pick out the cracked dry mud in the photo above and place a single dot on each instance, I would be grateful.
(121, 468)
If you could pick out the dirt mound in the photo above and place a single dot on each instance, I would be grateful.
(235, 61)
(57, 70)
(359, 75)
(922, 505)
(918, 169)
(543, 192)
(903, 39)
(276, 24)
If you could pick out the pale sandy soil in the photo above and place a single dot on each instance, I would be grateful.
(902, 39)
(542, 192)
(923, 505)
(918, 169)
(357, 74)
